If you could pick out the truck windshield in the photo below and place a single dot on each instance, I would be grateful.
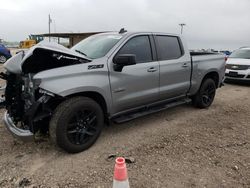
(96, 46)
(245, 54)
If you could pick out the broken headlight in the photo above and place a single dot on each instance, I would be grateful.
(43, 91)
(34, 83)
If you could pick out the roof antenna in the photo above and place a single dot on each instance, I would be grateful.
(122, 31)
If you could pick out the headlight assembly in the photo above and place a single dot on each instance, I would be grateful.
(42, 91)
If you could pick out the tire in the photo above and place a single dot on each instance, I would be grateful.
(205, 96)
(3, 58)
(76, 124)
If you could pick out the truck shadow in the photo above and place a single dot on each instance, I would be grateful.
(149, 120)
(44, 146)
(239, 83)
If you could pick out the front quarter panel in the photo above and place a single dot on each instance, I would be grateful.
(79, 78)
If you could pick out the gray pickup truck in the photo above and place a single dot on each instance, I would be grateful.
(69, 94)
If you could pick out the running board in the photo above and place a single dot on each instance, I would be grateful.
(131, 116)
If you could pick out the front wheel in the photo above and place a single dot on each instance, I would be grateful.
(205, 96)
(76, 124)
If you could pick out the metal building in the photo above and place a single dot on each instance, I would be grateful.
(74, 38)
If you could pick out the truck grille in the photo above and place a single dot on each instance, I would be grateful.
(235, 76)
(237, 67)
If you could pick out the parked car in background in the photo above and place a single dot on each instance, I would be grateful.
(226, 52)
(4, 53)
(238, 65)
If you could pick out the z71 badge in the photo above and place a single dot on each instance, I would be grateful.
(95, 66)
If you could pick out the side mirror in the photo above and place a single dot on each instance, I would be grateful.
(123, 60)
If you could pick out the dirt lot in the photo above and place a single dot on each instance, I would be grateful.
(180, 147)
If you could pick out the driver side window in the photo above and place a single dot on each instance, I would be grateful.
(140, 47)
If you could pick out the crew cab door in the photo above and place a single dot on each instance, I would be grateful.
(175, 67)
(138, 84)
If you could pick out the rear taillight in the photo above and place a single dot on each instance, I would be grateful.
(226, 58)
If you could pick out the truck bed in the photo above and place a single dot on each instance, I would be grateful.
(203, 62)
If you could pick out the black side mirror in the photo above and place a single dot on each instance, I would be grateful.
(123, 60)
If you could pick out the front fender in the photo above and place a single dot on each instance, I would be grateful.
(75, 79)
(65, 87)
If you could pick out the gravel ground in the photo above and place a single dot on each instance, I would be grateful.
(179, 147)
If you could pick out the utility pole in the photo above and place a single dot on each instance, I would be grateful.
(50, 21)
(182, 25)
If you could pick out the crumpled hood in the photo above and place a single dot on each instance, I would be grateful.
(43, 56)
(14, 64)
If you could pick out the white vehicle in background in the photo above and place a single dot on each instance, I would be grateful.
(238, 65)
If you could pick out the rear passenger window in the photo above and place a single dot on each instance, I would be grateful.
(140, 47)
(168, 47)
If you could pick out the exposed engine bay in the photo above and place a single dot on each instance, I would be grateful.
(23, 101)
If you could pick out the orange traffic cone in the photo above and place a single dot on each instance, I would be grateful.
(120, 174)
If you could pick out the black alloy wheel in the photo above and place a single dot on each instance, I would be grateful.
(82, 126)
(208, 94)
(205, 96)
(76, 124)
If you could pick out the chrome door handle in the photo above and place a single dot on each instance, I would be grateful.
(152, 69)
(185, 65)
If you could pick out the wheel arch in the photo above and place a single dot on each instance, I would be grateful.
(213, 75)
(96, 97)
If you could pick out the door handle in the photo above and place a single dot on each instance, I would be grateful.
(152, 69)
(185, 65)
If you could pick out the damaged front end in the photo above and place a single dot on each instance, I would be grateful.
(28, 107)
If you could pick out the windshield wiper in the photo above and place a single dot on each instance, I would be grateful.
(81, 52)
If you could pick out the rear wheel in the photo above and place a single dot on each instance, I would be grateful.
(205, 96)
(3, 59)
(76, 124)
